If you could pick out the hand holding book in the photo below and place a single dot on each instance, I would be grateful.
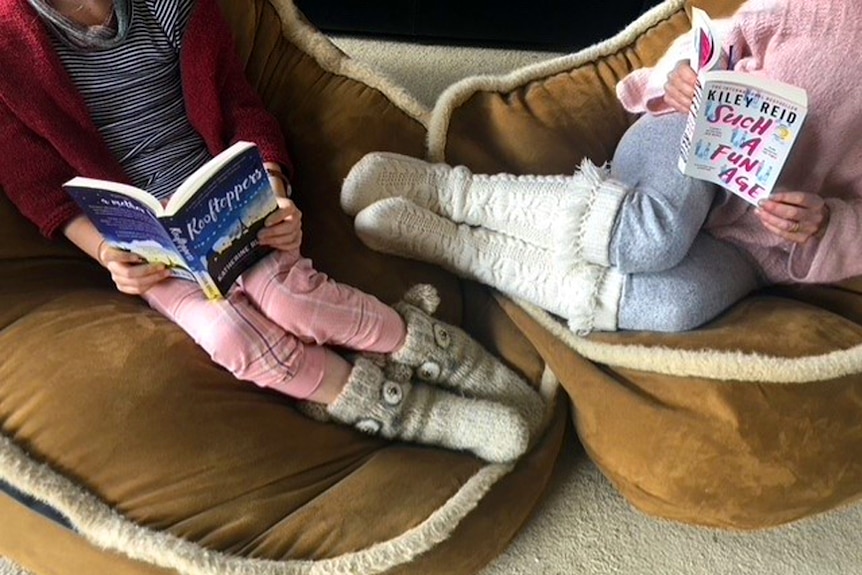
(741, 127)
(282, 228)
(130, 272)
(680, 87)
(795, 216)
(206, 232)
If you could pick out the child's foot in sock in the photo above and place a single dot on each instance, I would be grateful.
(415, 411)
(447, 356)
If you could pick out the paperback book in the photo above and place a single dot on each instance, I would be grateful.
(741, 127)
(206, 231)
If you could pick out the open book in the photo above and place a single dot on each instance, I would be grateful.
(741, 126)
(206, 232)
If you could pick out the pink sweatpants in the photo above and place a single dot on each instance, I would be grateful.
(273, 326)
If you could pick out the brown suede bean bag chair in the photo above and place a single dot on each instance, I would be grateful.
(748, 422)
(166, 464)
(751, 421)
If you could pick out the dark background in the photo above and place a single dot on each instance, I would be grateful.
(553, 25)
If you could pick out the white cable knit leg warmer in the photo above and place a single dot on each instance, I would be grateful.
(587, 295)
(574, 212)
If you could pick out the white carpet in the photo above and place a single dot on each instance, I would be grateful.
(583, 526)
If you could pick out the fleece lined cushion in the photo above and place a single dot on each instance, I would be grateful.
(747, 422)
(113, 416)
(546, 117)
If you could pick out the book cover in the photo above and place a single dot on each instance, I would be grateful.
(741, 127)
(206, 232)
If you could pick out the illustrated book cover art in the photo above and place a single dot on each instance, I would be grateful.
(205, 232)
(741, 126)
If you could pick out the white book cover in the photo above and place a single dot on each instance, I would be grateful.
(741, 126)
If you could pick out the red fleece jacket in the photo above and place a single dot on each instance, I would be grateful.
(47, 135)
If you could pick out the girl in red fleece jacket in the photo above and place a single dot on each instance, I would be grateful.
(144, 93)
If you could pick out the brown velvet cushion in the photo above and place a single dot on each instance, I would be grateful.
(748, 422)
(114, 416)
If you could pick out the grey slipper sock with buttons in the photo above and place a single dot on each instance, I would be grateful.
(447, 356)
(418, 412)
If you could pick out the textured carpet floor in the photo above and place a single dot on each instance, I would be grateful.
(584, 527)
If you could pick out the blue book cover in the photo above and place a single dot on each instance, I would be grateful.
(207, 231)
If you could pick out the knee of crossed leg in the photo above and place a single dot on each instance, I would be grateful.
(683, 312)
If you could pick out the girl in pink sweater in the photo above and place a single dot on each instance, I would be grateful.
(638, 245)
(96, 88)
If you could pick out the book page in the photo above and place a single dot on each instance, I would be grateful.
(707, 54)
(202, 175)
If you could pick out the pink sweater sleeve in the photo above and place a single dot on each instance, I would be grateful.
(838, 254)
(643, 89)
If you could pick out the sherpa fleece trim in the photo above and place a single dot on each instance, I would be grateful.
(9, 567)
(317, 45)
(105, 527)
(459, 92)
(725, 366)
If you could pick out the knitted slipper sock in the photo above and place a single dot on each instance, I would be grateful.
(447, 356)
(393, 371)
(379, 175)
(414, 411)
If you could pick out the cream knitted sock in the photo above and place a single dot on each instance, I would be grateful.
(447, 356)
(587, 295)
(414, 411)
(571, 213)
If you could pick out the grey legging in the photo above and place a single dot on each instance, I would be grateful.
(679, 276)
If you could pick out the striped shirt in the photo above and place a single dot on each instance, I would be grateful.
(134, 93)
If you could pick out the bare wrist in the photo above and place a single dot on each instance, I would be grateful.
(102, 244)
(279, 175)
